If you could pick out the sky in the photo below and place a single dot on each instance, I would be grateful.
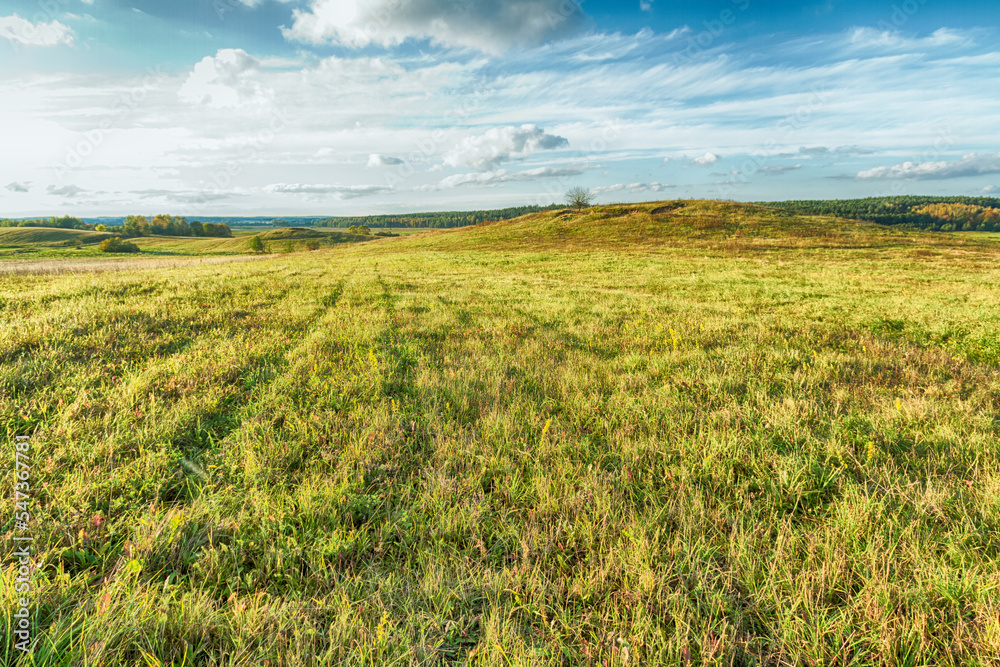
(349, 107)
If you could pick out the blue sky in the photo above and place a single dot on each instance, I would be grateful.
(303, 107)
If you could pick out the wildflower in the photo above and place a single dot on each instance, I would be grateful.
(545, 429)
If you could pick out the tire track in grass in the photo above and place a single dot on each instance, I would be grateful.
(194, 427)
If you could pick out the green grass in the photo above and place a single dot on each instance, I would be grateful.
(30, 243)
(596, 438)
(43, 242)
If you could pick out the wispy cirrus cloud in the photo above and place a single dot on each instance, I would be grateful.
(335, 191)
(504, 176)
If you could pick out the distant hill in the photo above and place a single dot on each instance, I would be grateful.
(19, 236)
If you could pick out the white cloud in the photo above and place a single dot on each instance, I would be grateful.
(65, 190)
(229, 79)
(18, 187)
(336, 191)
(504, 176)
(486, 25)
(974, 164)
(378, 160)
(604, 189)
(777, 169)
(893, 40)
(839, 151)
(646, 5)
(25, 33)
(990, 189)
(502, 144)
(706, 160)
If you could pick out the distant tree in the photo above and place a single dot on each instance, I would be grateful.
(312, 245)
(197, 229)
(78, 243)
(579, 197)
(101, 228)
(256, 244)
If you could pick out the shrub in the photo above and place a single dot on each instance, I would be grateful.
(115, 244)
(312, 245)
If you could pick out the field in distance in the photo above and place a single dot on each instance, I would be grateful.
(40, 243)
(675, 433)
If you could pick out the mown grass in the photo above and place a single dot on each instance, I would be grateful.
(520, 445)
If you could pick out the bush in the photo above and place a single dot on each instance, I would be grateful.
(312, 245)
(116, 244)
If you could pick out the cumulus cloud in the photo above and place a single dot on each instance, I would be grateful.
(336, 191)
(974, 164)
(25, 33)
(65, 190)
(18, 187)
(706, 160)
(504, 176)
(990, 189)
(604, 189)
(646, 5)
(228, 79)
(502, 144)
(377, 160)
(631, 187)
(486, 25)
(655, 186)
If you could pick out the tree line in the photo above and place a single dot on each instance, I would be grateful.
(440, 220)
(942, 214)
(133, 226)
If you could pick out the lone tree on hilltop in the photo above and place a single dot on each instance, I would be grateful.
(256, 244)
(579, 197)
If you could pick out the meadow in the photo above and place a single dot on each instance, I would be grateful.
(30, 244)
(676, 433)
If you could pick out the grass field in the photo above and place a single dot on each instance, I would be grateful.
(42, 242)
(34, 243)
(682, 433)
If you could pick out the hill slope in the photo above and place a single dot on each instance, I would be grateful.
(20, 236)
(654, 224)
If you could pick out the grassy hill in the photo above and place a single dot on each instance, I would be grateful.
(651, 225)
(577, 438)
(21, 236)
